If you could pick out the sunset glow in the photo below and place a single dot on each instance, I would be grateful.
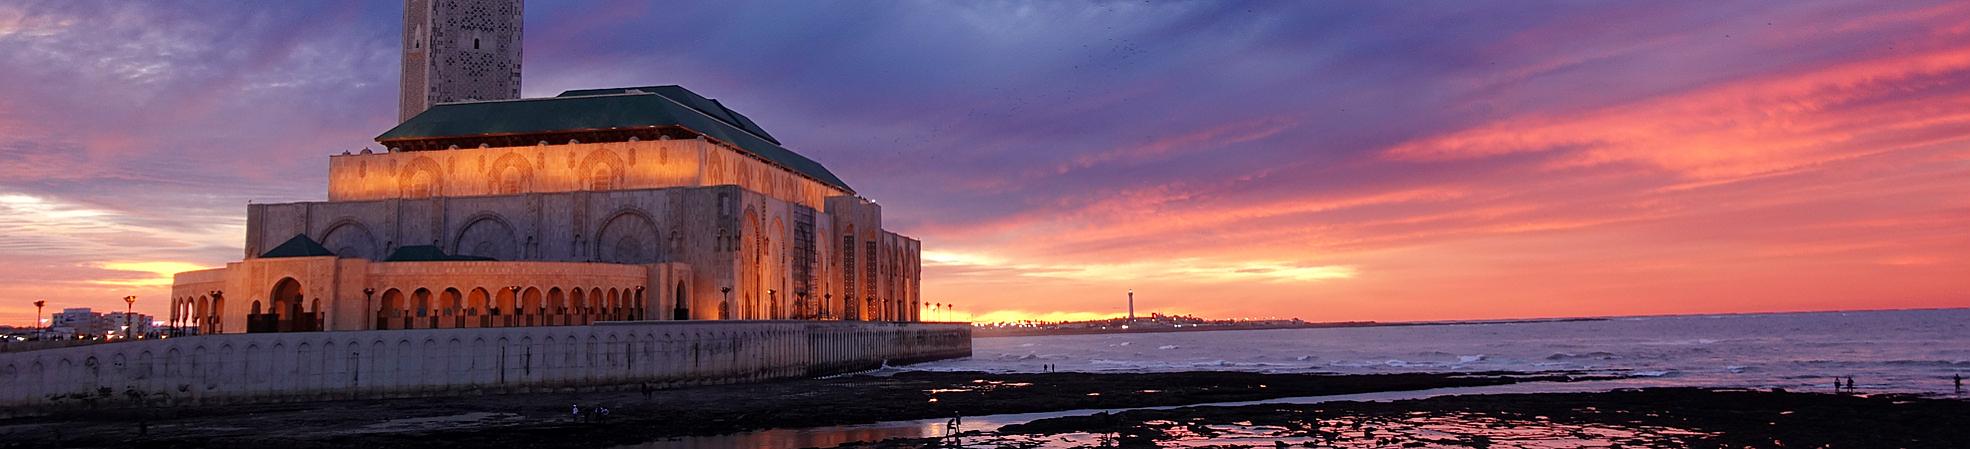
(1396, 161)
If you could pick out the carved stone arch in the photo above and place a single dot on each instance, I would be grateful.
(487, 234)
(349, 237)
(511, 174)
(782, 242)
(420, 178)
(629, 236)
(601, 169)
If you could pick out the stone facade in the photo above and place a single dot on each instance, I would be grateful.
(246, 368)
(749, 239)
(459, 50)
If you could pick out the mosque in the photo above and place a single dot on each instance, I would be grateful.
(487, 210)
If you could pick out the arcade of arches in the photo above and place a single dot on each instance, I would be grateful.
(328, 293)
(421, 308)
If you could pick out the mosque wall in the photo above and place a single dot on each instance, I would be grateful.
(282, 367)
(746, 247)
(564, 167)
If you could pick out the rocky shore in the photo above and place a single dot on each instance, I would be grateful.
(546, 421)
(1669, 417)
(1660, 417)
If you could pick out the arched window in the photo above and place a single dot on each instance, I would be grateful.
(603, 178)
(419, 186)
(510, 181)
(628, 250)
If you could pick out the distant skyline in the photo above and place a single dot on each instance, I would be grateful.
(1327, 161)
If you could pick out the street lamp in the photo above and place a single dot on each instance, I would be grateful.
(130, 304)
(725, 308)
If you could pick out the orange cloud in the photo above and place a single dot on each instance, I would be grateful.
(1737, 129)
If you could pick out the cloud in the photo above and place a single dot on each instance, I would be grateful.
(1194, 269)
(1354, 161)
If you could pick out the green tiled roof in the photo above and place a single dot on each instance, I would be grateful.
(687, 98)
(299, 246)
(605, 109)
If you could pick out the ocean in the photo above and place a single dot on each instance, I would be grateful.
(1902, 351)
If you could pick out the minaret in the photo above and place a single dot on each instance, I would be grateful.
(1131, 305)
(459, 50)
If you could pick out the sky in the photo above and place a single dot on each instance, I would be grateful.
(1327, 161)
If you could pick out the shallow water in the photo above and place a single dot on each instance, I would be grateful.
(1460, 430)
(1888, 351)
(1891, 351)
(829, 436)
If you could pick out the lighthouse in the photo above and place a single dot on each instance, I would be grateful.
(1131, 305)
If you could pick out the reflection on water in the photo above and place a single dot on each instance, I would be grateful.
(1916, 351)
(1414, 430)
(831, 436)
(796, 438)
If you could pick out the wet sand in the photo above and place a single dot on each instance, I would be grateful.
(544, 420)
(1659, 417)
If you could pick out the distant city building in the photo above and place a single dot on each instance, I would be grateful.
(86, 323)
(459, 50)
(634, 203)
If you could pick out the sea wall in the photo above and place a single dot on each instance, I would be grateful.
(306, 366)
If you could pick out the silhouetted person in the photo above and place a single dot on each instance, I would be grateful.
(1850, 385)
(1959, 382)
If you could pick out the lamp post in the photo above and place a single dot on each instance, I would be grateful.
(773, 300)
(825, 299)
(725, 308)
(369, 295)
(130, 307)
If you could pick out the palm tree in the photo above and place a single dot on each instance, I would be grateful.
(37, 316)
